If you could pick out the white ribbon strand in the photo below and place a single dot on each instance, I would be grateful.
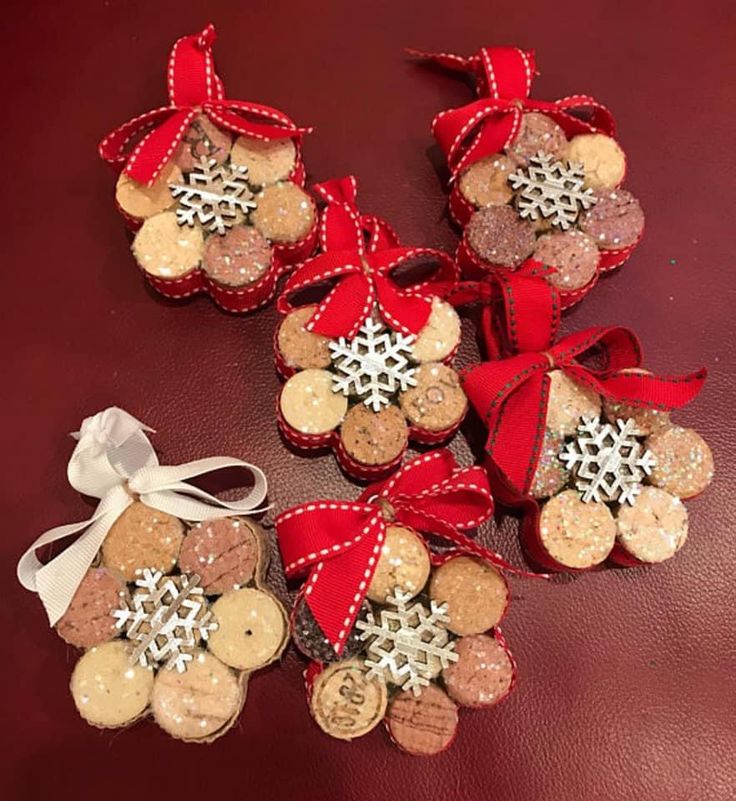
(115, 462)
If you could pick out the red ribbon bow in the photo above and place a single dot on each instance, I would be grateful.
(362, 252)
(339, 542)
(503, 77)
(145, 144)
(511, 393)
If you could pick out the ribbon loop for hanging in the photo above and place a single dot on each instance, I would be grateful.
(115, 462)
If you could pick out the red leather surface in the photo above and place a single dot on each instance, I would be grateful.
(627, 678)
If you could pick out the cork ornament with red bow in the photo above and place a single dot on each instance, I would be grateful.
(212, 187)
(534, 178)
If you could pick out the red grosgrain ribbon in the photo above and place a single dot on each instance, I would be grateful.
(361, 252)
(339, 542)
(145, 144)
(503, 81)
(511, 393)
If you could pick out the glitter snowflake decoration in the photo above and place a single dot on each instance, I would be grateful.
(374, 365)
(548, 188)
(166, 616)
(408, 646)
(215, 196)
(608, 461)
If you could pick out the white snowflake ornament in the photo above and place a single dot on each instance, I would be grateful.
(409, 645)
(607, 460)
(374, 365)
(166, 617)
(215, 196)
(547, 188)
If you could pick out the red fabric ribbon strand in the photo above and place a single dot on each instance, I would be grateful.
(144, 145)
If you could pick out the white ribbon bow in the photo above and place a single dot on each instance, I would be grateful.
(115, 461)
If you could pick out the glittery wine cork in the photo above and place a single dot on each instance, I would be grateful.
(654, 528)
(251, 628)
(568, 403)
(437, 402)
(602, 158)
(403, 563)
(499, 236)
(574, 533)
(424, 724)
(165, 249)
(223, 552)
(647, 421)
(683, 461)
(309, 405)
(345, 703)
(374, 438)
(537, 132)
(198, 703)
(88, 621)
(267, 161)
(203, 139)
(311, 641)
(485, 182)
(551, 474)
(440, 336)
(616, 221)
(142, 537)
(239, 257)
(573, 254)
(483, 674)
(285, 212)
(107, 688)
(141, 201)
(301, 349)
(474, 591)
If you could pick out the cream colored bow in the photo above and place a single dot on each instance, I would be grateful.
(115, 462)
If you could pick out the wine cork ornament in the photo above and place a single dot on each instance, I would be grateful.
(483, 674)
(367, 362)
(683, 462)
(603, 160)
(537, 132)
(215, 196)
(616, 220)
(423, 725)
(654, 528)
(89, 619)
(486, 182)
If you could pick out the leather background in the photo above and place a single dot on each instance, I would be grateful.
(627, 680)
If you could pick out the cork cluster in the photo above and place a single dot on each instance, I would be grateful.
(116, 681)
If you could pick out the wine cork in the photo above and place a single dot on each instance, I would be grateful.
(437, 402)
(108, 690)
(285, 212)
(568, 403)
(616, 221)
(251, 628)
(423, 724)
(165, 249)
(574, 256)
(267, 161)
(223, 552)
(537, 132)
(239, 257)
(440, 336)
(683, 461)
(483, 674)
(647, 421)
(88, 621)
(403, 563)
(198, 703)
(345, 703)
(374, 438)
(486, 181)
(499, 236)
(142, 537)
(301, 349)
(474, 591)
(654, 527)
(311, 641)
(551, 474)
(602, 158)
(203, 139)
(309, 405)
(141, 201)
(576, 534)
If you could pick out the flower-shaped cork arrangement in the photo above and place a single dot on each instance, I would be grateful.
(535, 179)
(368, 366)
(396, 633)
(172, 616)
(591, 453)
(212, 187)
